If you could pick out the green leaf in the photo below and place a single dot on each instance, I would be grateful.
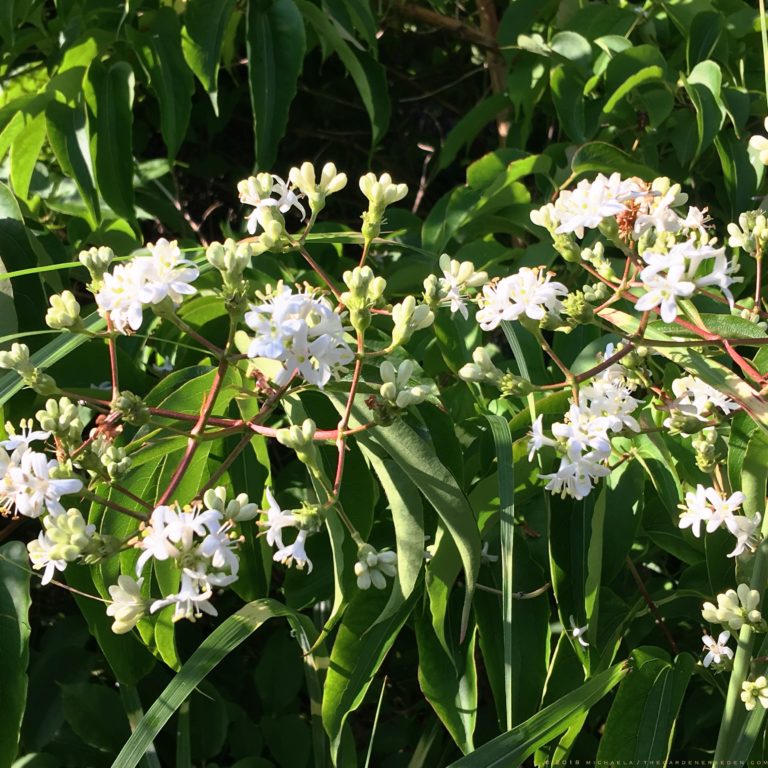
(367, 73)
(276, 46)
(703, 37)
(567, 88)
(204, 26)
(605, 158)
(224, 639)
(68, 137)
(703, 86)
(96, 715)
(408, 519)
(728, 326)
(646, 75)
(742, 428)
(25, 151)
(642, 719)
(510, 749)
(449, 683)
(502, 439)
(160, 53)
(595, 564)
(109, 95)
(357, 653)
(19, 250)
(14, 645)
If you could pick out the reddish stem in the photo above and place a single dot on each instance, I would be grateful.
(113, 359)
(199, 427)
(342, 439)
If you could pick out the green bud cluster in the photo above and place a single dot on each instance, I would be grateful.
(64, 312)
(305, 179)
(751, 233)
(396, 390)
(596, 257)
(301, 440)
(115, 460)
(18, 360)
(69, 534)
(62, 419)
(577, 309)
(364, 292)
(514, 386)
(380, 192)
(96, 261)
(131, 408)
(705, 445)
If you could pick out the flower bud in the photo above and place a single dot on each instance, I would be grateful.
(481, 369)
(330, 182)
(301, 440)
(61, 418)
(64, 312)
(408, 318)
(380, 192)
(96, 261)
(372, 567)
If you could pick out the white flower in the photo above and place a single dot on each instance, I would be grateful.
(192, 599)
(257, 191)
(19, 442)
(121, 296)
(43, 553)
(579, 632)
(529, 292)
(716, 649)
(166, 273)
(457, 278)
(538, 438)
(276, 521)
(128, 605)
(746, 530)
(575, 478)
(735, 608)
(396, 389)
(755, 692)
(295, 553)
(709, 506)
(664, 291)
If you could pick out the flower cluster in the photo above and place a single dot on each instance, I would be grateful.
(528, 294)
(199, 540)
(583, 438)
(735, 608)
(30, 482)
(276, 521)
(302, 332)
(144, 281)
(714, 510)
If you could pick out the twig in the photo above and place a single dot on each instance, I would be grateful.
(657, 617)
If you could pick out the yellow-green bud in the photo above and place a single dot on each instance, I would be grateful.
(17, 359)
(305, 179)
(97, 261)
(60, 418)
(365, 291)
(301, 440)
(408, 318)
(64, 312)
(514, 386)
(577, 308)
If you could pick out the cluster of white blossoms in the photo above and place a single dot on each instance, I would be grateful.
(528, 293)
(583, 439)
(30, 482)
(201, 543)
(711, 508)
(590, 203)
(277, 520)
(459, 277)
(679, 272)
(735, 608)
(301, 331)
(267, 193)
(695, 399)
(145, 281)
